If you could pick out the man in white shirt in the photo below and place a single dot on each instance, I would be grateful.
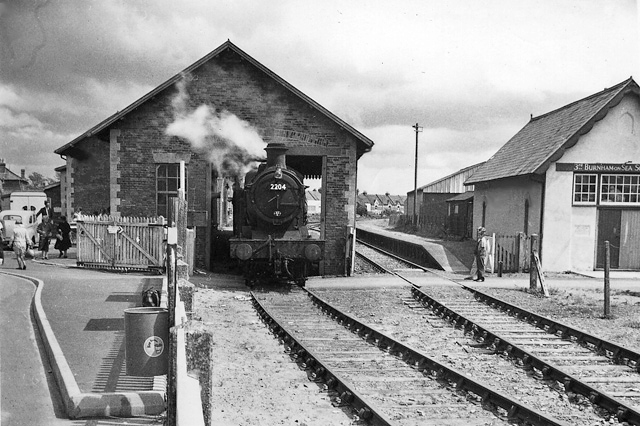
(20, 242)
(1, 243)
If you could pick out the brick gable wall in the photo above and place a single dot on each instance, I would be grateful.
(90, 173)
(230, 83)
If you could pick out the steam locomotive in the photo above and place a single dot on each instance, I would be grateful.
(271, 240)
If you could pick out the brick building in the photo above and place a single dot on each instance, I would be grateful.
(129, 164)
(10, 182)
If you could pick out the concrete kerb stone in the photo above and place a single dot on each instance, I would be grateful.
(80, 404)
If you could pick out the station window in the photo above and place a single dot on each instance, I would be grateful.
(620, 189)
(167, 183)
(584, 188)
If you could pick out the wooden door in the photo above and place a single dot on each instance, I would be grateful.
(630, 239)
(608, 230)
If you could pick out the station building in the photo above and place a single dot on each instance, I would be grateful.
(129, 165)
(572, 176)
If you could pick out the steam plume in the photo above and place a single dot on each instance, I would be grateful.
(232, 144)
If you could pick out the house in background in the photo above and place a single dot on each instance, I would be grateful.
(10, 182)
(395, 203)
(314, 202)
(380, 204)
(372, 203)
(572, 176)
(434, 214)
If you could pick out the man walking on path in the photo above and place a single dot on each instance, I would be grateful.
(20, 242)
(45, 211)
(480, 252)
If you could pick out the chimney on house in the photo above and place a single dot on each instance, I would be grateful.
(22, 173)
(3, 166)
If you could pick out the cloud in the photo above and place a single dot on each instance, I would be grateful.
(470, 72)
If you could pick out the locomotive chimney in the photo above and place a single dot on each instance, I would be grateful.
(276, 155)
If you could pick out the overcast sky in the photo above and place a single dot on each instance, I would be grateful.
(470, 72)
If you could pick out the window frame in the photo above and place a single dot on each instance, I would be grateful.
(172, 176)
(596, 185)
(621, 182)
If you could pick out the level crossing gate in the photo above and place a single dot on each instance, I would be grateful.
(121, 243)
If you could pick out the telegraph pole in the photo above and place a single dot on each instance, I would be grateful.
(417, 129)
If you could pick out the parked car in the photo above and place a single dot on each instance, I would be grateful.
(8, 218)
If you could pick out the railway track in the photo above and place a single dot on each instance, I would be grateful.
(378, 261)
(570, 360)
(386, 381)
(602, 371)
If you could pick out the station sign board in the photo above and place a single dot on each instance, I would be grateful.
(598, 167)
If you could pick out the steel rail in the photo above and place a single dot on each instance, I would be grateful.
(529, 361)
(429, 366)
(395, 256)
(373, 263)
(319, 372)
(618, 353)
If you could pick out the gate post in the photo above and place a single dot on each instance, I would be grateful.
(520, 251)
(172, 287)
(607, 286)
(533, 268)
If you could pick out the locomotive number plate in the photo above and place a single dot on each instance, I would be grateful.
(278, 186)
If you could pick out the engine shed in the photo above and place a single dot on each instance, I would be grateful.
(129, 164)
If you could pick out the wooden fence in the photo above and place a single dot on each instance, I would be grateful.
(121, 243)
(514, 251)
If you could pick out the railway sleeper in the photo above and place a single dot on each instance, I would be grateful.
(538, 368)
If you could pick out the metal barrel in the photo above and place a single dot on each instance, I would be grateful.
(146, 341)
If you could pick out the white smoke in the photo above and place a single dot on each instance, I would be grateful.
(232, 144)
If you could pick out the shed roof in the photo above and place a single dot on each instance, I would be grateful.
(465, 196)
(313, 195)
(459, 172)
(545, 138)
(365, 143)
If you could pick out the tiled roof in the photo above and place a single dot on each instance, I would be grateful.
(8, 175)
(544, 139)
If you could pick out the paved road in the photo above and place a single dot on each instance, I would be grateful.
(29, 395)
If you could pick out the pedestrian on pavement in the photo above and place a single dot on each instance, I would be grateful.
(1, 243)
(45, 211)
(77, 215)
(63, 240)
(45, 229)
(20, 242)
(480, 253)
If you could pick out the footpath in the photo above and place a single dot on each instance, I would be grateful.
(79, 314)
